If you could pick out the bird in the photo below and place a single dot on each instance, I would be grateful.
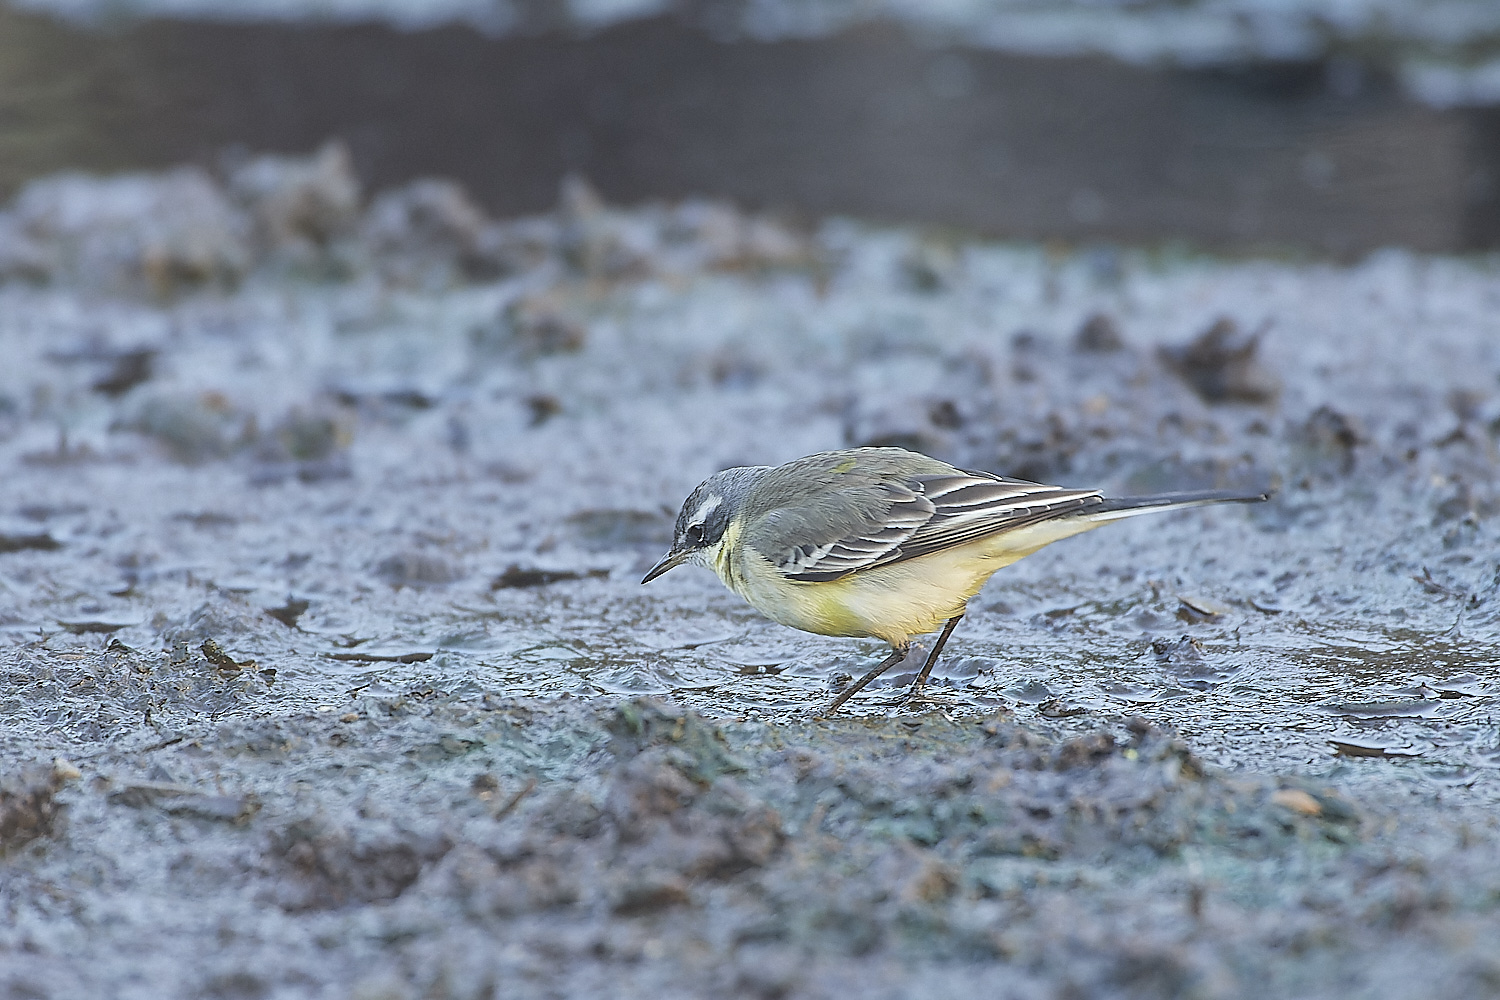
(882, 542)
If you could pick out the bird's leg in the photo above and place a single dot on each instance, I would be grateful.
(898, 653)
(921, 681)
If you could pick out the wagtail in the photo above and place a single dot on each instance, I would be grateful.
(882, 541)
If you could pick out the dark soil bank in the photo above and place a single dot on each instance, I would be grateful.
(1288, 127)
(326, 671)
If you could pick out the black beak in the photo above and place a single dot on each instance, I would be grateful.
(668, 561)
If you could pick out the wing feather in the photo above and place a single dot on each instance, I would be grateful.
(912, 517)
(901, 509)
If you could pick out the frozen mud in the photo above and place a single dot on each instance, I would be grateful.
(327, 671)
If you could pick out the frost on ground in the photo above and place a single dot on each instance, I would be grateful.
(327, 672)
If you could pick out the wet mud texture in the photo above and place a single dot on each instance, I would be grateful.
(327, 672)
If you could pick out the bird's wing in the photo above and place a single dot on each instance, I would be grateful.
(874, 524)
(860, 527)
(973, 505)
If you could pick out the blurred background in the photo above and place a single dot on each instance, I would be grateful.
(1330, 126)
(358, 354)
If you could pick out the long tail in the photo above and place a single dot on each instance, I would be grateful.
(1113, 510)
(1016, 543)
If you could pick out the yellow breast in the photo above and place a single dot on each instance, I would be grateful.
(892, 602)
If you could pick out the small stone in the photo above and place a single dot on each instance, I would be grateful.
(1196, 609)
(40, 542)
(193, 428)
(1098, 335)
(649, 892)
(1297, 801)
(127, 370)
(1057, 708)
(1176, 652)
(416, 569)
(542, 407)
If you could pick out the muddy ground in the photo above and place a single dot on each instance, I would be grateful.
(327, 672)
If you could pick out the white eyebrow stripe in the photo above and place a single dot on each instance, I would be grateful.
(708, 507)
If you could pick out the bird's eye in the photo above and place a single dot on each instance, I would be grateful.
(694, 533)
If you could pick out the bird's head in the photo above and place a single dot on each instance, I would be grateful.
(705, 517)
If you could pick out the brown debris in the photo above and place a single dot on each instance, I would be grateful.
(329, 868)
(1220, 365)
(181, 800)
(28, 805)
(98, 626)
(415, 656)
(945, 414)
(1057, 708)
(650, 891)
(592, 240)
(536, 326)
(127, 370)
(1327, 442)
(541, 407)
(428, 234)
(718, 234)
(1433, 586)
(214, 653)
(933, 881)
(1099, 334)
(40, 542)
(290, 612)
(515, 576)
(1083, 751)
(536, 877)
(299, 202)
(156, 234)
